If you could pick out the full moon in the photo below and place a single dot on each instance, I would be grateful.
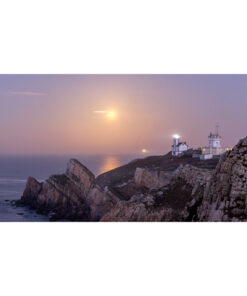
(111, 114)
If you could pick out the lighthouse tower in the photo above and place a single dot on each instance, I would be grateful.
(176, 140)
(178, 147)
(214, 147)
(214, 142)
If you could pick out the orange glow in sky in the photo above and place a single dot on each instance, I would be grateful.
(111, 114)
(54, 114)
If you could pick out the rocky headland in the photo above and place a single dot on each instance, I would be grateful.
(157, 188)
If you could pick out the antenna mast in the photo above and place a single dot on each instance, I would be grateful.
(217, 128)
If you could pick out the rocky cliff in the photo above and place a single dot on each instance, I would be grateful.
(150, 196)
(163, 163)
(184, 193)
(63, 195)
(225, 198)
(152, 179)
(160, 203)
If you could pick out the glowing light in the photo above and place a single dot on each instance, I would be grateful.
(176, 136)
(144, 150)
(100, 112)
(111, 114)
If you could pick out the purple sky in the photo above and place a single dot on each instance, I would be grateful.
(42, 114)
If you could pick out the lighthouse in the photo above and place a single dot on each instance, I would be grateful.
(178, 147)
(214, 146)
(214, 142)
(175, 140)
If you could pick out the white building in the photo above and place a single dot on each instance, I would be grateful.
(214, 141)
(214, 146)
(178, 147)
(206, 156)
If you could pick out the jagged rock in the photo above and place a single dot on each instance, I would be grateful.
(151, 178)
(226, 196)
(65, 194)
(80, 175)
(137, 212)
(60, 195)
(152, 196)
(100, 201)
(165, 163)
(187, 194)
(166, 203)
(73, 195)
(31, 192)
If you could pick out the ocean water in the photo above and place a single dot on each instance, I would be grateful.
(14, 171)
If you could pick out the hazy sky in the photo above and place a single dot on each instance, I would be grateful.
(43, 114)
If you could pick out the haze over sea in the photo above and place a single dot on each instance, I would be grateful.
(15, 169)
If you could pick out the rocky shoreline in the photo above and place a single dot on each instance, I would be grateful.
(156, 189)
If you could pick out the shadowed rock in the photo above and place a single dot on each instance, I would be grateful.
(65, 194)
(166, 203)
(173, 191)
(31, 192)
(80, 175)
(151, 178)
(101, 201)
(225, 198)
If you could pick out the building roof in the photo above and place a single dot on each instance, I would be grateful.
(182, 143)
(214, 136)
(179, 144)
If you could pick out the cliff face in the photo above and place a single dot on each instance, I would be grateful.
(225, 198)
(161, 203)
(100, 201)
(64, 195)
(31, 192)
(151, 178)
(80, 176)
(150, 196)
(187, 193)
(164, 163)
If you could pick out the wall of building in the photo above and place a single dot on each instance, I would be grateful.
(206, 156)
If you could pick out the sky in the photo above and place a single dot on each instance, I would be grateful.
(55, 114)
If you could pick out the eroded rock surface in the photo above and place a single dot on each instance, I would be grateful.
(65, 195)
(225, 198)
(151, 178)
(31, 192)
(188, 193)
(101, 201)
(80, 175)
(165, 203)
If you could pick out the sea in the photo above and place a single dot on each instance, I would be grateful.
(15, 169)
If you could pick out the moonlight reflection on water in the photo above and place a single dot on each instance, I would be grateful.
(109, 163)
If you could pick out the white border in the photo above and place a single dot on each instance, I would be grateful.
(131, 36)
(128, 36)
